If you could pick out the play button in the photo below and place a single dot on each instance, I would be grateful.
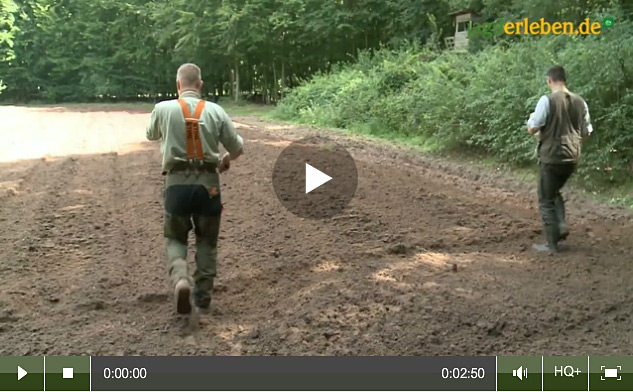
(315, 178)
(21, 373)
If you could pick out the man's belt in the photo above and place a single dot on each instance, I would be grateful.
(193, 167)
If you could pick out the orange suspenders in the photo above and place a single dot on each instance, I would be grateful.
(192, 126)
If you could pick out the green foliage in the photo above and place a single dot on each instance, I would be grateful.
(8, 8)
(77, 50)
(481, 101)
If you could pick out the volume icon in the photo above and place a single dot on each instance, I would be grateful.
(520, 373)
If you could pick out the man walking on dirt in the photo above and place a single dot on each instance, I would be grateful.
(190, 130)
(560, 122)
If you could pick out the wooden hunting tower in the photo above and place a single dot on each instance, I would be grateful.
(462, 21)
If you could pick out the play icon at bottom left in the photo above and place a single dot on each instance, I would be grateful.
(21, 373)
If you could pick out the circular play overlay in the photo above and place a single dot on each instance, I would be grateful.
(315, 178)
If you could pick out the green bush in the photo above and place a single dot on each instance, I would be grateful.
(481, 101)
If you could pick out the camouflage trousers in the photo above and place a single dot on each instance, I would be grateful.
(197, 207)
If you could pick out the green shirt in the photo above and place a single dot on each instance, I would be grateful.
(168, 125)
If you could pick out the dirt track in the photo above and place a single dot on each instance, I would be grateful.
(429, 258)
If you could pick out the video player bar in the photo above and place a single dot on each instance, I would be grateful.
(316, 373)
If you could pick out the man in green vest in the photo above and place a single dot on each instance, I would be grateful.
(191, 131)
(560, 122)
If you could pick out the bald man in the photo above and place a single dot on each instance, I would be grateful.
(191, 131)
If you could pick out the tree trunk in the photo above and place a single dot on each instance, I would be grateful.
(283, 78)
(237, 80)
(275, 84)
(232, 84)
(266, 87)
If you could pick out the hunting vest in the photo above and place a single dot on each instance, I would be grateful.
(561, 136)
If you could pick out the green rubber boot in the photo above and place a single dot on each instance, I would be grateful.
(552, 235)
(562, 219)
